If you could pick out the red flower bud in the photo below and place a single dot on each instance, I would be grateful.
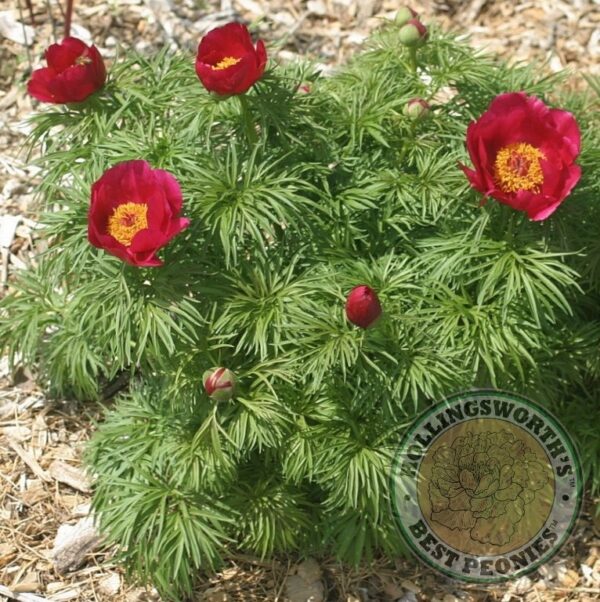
(227, 62)
(134, 211)
(74, 72)
(417, 108)
(362, 306)
(413, 33)
(219, 384)
(404, 15)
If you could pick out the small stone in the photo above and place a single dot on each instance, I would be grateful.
(110, 586)
(81, 32)
(309, 570)
(306, 585)
(14, 30)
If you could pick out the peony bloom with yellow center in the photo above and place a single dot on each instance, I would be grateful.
(524, 153)
(227, 62)
(134, 212)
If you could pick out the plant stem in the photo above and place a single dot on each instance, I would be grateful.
(412, 58)
(407, 141)
(248, 121)
(68, 16)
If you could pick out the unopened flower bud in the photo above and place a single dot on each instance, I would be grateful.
(413, 33)
(362, 306)
(219, 384)
(404, 15)
(417, 108)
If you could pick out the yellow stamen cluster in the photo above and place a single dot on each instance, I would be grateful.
(228, 61)
(127, 220)
(517, 167)
(83, 60)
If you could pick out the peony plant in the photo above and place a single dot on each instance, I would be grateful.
(281, 269)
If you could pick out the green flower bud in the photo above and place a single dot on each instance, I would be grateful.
(413, 34)
(417, 108)
(404, 15)
(219, 384)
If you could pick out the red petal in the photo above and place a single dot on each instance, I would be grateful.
(148, 240)
(73, 84)
(39, 84)
(63, 55)
(261, 56)
(171, 188)
(565, 125)
(177, 226)
(232, 39)
(504, 104)
(473, 177)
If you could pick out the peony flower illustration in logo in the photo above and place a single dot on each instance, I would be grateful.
(482, 483)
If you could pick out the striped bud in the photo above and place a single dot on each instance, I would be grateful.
(219, 384)
(417, 108)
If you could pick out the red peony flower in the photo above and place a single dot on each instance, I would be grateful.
(362, 306)
(134, 212)
(523, 154)
(227, 62)
(74, 71)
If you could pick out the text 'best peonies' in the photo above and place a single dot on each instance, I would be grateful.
(524, 153)
(134, 211)
(74, 72)
(227, 62)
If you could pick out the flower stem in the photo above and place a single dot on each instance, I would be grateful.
(412, 59)
(248, 121)
(409, 140)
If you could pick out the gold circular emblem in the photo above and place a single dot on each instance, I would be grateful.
(486, 486)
